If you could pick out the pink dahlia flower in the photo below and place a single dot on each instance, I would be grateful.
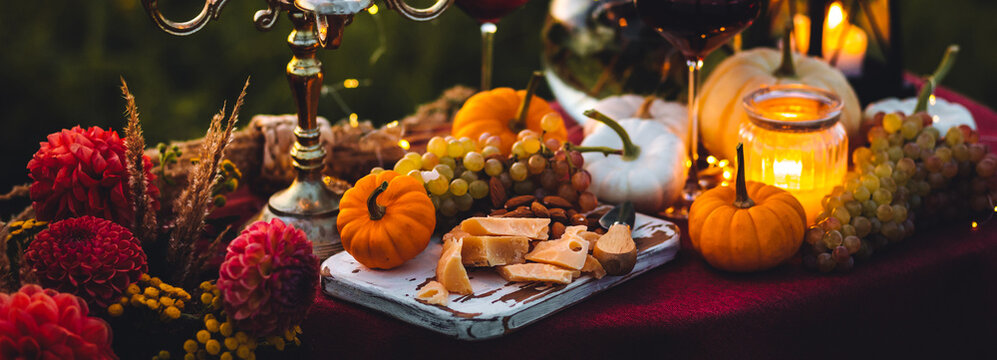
(268, 278)
(38, 323)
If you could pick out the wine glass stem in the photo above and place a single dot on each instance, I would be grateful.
(487, 49)
(694, 64)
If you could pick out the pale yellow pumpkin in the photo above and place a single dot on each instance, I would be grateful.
(721, 113)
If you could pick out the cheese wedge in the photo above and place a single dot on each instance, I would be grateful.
(434, 293)
(494, 250)
(593, 267)
(581, 231)
(537, 272)
(450, 271)
(568, 252)
(528, 227)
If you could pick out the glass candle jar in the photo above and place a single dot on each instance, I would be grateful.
(795, 141)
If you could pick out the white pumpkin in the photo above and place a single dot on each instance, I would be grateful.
(944, 114)
(650, 171)
(672, 114)
(721, 113)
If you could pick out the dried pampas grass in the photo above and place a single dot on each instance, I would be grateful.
(193, 203)
(144, 225)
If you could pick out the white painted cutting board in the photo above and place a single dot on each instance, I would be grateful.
(497, 306)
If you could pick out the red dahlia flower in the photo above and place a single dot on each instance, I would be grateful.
(268, 279)
(83, 172)
(38, 323)
(93, 258)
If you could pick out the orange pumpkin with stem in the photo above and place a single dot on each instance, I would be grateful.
(386, 219)
(505, 112)
(750, 227)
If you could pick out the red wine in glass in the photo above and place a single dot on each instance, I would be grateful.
(488, 13)
(696, 27)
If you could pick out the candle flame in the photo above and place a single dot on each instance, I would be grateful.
(931, 100)
(354, 120)
(787, 173)
(835, 15)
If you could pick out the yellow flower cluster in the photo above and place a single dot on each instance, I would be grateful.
(154, 294)
(219, 338)
(211, 297)
(26, 228)
(290, 335)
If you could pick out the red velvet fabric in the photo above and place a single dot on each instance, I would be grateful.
(933, 295)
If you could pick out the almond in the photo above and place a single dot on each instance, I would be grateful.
(539, 210)
(579, 219)
(497, 192)
(498, 212)
(558, 214)
(556, 230)
(557, 201)
(521, 200)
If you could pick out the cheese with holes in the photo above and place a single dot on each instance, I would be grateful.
(528, 227)
(568, 252)
(581, 231)
(450, 271)
(433, 293)
(494, 250)
(593, 267)
(537, 272)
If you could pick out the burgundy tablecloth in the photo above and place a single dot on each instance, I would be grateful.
(934, 295)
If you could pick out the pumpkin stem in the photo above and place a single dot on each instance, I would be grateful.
(644, 111)
(787, 68)
(376, 211)
(936, 78)
(742, 200)
(630, 150)
(524, 106)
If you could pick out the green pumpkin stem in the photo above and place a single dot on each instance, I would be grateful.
(742, 201)
(787, 69)
(376, 211)
(936, 78)
(630, 150)
(519, 123)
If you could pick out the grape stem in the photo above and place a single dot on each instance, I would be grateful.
(742, 200)
(934, 79)
(376, 211)
(517, 124)
(630, 150)
(787, 69)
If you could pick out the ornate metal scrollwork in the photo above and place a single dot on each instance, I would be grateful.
(417, 14)
(211, 10)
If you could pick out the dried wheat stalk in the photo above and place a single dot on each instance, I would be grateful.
(192, 206)
(144, 224)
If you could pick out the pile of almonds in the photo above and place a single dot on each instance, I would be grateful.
(560, 211)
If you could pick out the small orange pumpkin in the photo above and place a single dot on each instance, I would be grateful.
(750, 228)
(500, 112)
(386, 219)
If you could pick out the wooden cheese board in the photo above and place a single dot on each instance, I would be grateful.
(497, 307)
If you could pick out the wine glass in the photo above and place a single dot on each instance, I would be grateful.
(696, 27)
(488, 13)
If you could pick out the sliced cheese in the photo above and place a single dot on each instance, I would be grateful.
(537, 272)
(494, 250)
(450, 271)
(528, 227)
(593, 267)
(434, 293)
(568, 252)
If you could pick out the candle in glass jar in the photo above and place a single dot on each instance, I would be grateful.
(794, 141)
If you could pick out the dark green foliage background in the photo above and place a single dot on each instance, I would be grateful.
(61, 60)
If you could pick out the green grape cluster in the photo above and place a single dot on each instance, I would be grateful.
(457, 173)
(908, 167)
